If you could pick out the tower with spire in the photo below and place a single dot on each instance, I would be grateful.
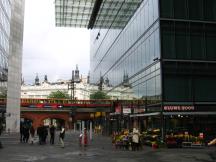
(77, 77)
(126, 80)
(88, 78)
(37, 81)
(45, 79)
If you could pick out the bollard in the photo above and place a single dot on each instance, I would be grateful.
(85, 137)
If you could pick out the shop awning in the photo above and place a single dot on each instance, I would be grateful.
(145, 114)
(95, 13)
(190, 113)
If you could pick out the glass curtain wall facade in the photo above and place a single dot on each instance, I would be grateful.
(188, 36)
(168, 51)
(188, 49)
(133, 51)
(5, 16)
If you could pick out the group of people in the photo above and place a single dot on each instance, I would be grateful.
(27, 132)
(127, 140)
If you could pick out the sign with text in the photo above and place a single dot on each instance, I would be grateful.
(126, 110)
(178, 108)
(139, 110)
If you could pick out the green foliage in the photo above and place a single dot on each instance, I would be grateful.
(3, 92)
(99, 95)
(59, 94)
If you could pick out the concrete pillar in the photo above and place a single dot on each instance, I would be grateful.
(83, 126)
(15, 66)
(80, 127)
(90, 133)
(74, 127)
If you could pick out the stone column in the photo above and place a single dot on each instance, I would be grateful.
(15, 66)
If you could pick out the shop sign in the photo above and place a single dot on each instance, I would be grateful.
(178, 108)
(126, 110)
(201, 135)
(139, 110)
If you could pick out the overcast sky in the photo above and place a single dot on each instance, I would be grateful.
(51, 50)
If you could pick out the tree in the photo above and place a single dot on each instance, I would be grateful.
(59, 94)
(99, 95)
(3, 92)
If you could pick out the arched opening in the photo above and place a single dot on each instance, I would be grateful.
(57, 122)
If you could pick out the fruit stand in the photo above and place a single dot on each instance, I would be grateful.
(151, 137)
(184, 140)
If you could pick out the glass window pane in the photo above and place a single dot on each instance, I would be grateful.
(168, 40)
(166, 8)
(181, 41)
(180, 9)
(197, 41)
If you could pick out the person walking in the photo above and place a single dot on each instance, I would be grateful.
(32, 134)
(40, 133)
(21, 133)
(26, 133)
(135, 139)
(52, 134)
(61, 136)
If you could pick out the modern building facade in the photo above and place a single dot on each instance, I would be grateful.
(11, 40)
(167, 49)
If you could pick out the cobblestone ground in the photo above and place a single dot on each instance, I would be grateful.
(100, 149)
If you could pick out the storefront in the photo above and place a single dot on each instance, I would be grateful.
(190, 119)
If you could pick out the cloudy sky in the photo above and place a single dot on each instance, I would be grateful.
(51, 50)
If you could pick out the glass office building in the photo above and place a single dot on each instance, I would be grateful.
(5, 15)
(163, 49)
(168, 51)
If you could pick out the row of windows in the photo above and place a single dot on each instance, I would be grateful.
(4, 21)
(137, 58)
(3, 60)
(189, 9)
(147, 85)
(6, 4)
(184, 40)
(4, 43)
(114, 46)
(189, 88)
(146, 15)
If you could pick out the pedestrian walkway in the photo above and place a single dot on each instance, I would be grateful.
(99, 149)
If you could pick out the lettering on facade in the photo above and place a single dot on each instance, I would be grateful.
(178, 108)
(139, 110)
(126, 110)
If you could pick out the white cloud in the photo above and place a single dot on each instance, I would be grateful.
(51, 50)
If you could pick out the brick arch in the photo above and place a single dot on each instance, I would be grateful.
(38, 118)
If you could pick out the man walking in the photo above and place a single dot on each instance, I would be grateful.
(52, 134)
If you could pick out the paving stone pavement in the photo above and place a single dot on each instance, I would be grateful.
(100, 149)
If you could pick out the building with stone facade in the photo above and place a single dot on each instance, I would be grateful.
(82, 89)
